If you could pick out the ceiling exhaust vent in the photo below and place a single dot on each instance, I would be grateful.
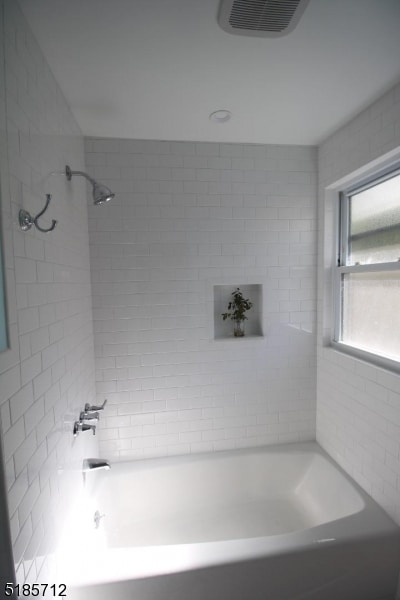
(263, 18)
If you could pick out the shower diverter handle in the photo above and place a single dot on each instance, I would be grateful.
(89, 416)
(90, 408)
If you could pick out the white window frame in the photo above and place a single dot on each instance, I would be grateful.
(342, 268)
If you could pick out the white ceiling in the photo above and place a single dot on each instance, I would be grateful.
(156, 69)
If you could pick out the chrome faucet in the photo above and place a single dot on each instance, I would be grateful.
(79, 426)
(89, 416)
(90, 408)
(90, 413)
(94, 464)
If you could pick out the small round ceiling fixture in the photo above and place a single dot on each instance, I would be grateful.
(220, 116)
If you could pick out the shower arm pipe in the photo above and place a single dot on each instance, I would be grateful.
(69, 174)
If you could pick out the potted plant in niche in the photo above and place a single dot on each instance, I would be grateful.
(237, 309)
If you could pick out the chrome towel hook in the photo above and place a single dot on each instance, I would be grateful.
(26, 220)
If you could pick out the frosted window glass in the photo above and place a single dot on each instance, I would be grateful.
(374, 224)
(370, 312)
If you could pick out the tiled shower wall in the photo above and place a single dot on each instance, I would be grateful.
(186, 217)
(358, 409)
(48, 374)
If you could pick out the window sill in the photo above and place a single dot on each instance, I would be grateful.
(368, 357)
(232, 338)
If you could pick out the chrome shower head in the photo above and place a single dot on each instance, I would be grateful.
(100, 192)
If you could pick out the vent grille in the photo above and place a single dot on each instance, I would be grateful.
(261, 17)
(272, 15)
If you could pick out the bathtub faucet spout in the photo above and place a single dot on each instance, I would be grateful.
(95, 464)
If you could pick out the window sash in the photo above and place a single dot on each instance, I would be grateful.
(338, 272)
(345, 196)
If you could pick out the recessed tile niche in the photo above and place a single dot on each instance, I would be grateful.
(222, 297)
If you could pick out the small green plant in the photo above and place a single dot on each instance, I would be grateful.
(237, 309)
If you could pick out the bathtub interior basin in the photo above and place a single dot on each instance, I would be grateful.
(224, 497)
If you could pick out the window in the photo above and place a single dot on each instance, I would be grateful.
(367, 277)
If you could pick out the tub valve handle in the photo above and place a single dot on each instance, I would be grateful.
(79, 426)
(89, 416)
(90, 408)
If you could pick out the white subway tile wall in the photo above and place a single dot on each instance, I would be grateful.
(358, 405)
(188, 216)
(48, 375)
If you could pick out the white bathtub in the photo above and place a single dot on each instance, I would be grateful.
(275, 523)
